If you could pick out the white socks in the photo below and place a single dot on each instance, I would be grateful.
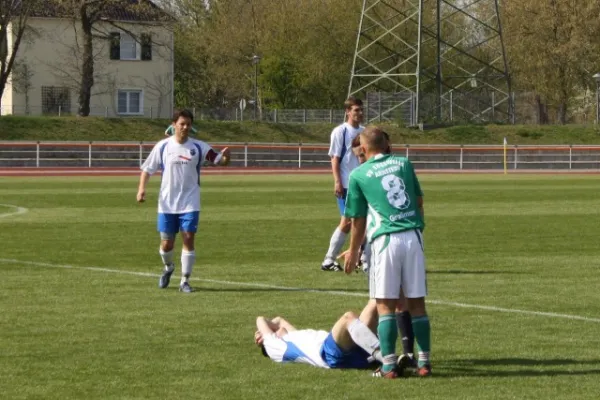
(365, 338)
(335, 245)
(187, 264)
(167, 258)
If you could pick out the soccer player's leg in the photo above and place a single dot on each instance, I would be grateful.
(384, 287)
(339, 350)
(414, 283)
(167, 226)
(357, 345)
(188, 225)
(404, 323)
(338, 238)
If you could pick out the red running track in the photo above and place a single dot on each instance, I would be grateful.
(109, 171)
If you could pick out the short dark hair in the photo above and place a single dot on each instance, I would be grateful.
(377, 139)
(183, 113)
(352, 101)
(356, 141)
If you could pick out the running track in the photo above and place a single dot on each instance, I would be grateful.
(108, 171)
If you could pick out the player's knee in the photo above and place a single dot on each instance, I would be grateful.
(167, 245)
(349, 316)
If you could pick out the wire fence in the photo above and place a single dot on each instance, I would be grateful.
(398, 108)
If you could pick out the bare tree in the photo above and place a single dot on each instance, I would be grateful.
(160, 89)
(13, 24)
(22, 74)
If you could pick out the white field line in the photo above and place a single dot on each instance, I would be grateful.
(18, 210)
(305, 290)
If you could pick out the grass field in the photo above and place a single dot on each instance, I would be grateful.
(495, 244)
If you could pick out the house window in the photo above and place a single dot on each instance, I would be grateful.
(129, 48)
(124, 46)
(130, 102)
(56, 100)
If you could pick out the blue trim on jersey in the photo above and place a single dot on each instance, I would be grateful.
(292, 353)
(162, 152)
(162, 163)
(335, 357)
(173, 223)
(341, 202)
(200, 158)
(343, 153)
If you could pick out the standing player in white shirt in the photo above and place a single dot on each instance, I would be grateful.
(343, 161)
(180, 158)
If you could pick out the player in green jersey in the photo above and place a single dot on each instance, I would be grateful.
(385, 191)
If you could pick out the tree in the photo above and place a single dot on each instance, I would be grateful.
(22, 74)
(13, 25)
(552, 49)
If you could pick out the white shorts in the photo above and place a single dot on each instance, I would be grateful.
(397, 261)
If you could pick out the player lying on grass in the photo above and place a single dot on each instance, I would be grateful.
(351, 343)
(339, 348)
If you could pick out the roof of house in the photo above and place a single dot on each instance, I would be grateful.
(116, 10)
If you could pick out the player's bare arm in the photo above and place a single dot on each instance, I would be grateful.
(338, 188)
(141, 194)
(357, 235)
(420, 205)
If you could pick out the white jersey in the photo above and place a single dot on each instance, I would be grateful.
(180, 165)
(301, 346)
(341, 146)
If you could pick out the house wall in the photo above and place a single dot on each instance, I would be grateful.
(53, 51)
(6, 104)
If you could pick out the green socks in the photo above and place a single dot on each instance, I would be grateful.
(387, 330)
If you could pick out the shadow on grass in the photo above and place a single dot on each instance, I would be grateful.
(473, 272)
(529, 367)
(242, 289)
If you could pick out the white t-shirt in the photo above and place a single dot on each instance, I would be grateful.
(301, 346)
(180, 164)
(341, 146)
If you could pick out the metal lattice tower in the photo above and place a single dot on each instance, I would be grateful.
(432, 60)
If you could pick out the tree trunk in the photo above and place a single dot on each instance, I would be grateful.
(541, 112)
(87, 66)
(562, 113)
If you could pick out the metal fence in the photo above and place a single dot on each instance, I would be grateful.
(305, 156)
(526, 105)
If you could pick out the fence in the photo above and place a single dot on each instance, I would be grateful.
(441, 157)
(527, 110)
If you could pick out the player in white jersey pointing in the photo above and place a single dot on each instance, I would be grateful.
(180, 158)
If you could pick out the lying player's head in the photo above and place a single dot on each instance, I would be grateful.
(182, 121)
(354, 110)
(374, 140)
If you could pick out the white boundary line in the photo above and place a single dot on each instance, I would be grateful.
(305, 290)
(19, 210)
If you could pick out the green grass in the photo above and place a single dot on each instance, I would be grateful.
(515, 242)
(135, 129)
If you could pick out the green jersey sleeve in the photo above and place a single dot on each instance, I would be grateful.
(356, 203)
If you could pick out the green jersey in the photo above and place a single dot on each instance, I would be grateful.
(385, 190)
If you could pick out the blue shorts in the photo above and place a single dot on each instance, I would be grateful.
(335, 357)
(341, 202)
(173, 223)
